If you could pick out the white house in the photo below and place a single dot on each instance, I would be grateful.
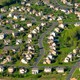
(21, 29)
(1, 36)
(29, 36)
(24, 61)
(29, 24)
(61, 26)
(10, 15)
(66, 60)
(1, 69)
(18, 41)
(77, 24)
(35, 71)
(28, 4)
(15, 17)
(47, 70)
(53, 34)
(22, 71)
(51, 37)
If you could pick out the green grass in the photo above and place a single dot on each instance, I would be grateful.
(76, 74)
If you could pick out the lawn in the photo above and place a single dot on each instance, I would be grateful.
(76, 74)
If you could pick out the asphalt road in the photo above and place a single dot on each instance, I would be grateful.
(72, 70)
(40, 42)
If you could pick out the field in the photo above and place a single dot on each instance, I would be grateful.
(2, 1)
(76, 74)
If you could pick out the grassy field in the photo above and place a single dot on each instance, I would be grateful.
(76, 74)
(2, 1)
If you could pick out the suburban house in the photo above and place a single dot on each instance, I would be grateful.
(11, 69)
(22, 71)
(2, 36)
(60, 69)
(47, 70)
(1, 69)
(35, 71)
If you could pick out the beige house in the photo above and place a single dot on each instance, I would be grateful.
(47, 70)
(11, 69)
(60, 69)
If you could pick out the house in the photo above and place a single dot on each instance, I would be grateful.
(22, 71)
(23, 18)
(47, 61)
(30, 48)
(47, 70)
(21, 29)
(53, 52)
(10, 15)
(8, 58)
(59, 18)
(59, 69)
(29, 41)
(28, 4)
(23, 3)
(24, 61)
(13, 34)
(35, 71)
(18, 41)
(29, 24)
(3, 10)
(53, 44)
(15, 17)
(75, 51)
(38, 29)
(52, 48)
(11, 69)
(64, 1)
(30, 36)
(50, 56)
(28, 56)
(43, 24)
(53, 34)
(2, 36)
(57, 30)
(73, 79)
(34, 31)
(50, 42)
(61, 26)
(77, 24)
(66, 60)
(70, 56)
(1, 69)
(1, 57)
(51, 37)
(7, 42)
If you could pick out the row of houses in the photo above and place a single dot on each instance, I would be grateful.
(70, 4)
(71, 55)
(52, 44)
(35, 71)
(31, 50)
